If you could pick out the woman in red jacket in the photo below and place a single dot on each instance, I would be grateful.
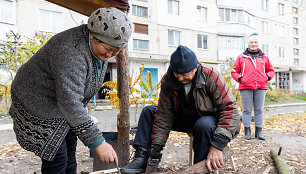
(252, 70)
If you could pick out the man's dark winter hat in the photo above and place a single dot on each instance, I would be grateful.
(183, 60)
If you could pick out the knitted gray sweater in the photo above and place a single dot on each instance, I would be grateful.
(51, 90)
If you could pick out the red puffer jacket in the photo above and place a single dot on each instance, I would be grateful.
(252, 75)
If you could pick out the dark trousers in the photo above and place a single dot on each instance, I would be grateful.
(202, 131)
(64, 161)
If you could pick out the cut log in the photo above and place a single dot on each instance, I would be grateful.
(280, 162)
(200, 167)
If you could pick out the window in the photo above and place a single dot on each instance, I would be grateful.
(202, 11)
(265, 49)
(174, 37)
(173, 7)
(295, 1)
(230, 15)
(295, 31)
(231, 43)
(281, 8)
(6, 11)
(51, 21)
(264, 5)
(264, 26)
(295, 41)
(296, 61)
(294, 10)
(296, 51)
(140, 28)
(295, 20)
(281, 30)
(139, 11)
(281, 52)
(140, 44)
(202, 41)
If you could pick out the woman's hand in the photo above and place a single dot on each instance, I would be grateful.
(106, 153)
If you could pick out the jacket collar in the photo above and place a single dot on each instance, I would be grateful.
(173, 83)
(247, 53)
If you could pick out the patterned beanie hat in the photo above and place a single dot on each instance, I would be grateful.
(111, 26)
(183, 60)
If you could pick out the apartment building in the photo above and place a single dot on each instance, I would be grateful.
(217, 31)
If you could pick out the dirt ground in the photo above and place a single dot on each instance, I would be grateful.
(250, 156)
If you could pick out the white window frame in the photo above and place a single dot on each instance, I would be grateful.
(295, 10)
(265, 26)
(281, 8)
(295, 41)
(202, 12)
(295, 20)
(296, 51)
(136, 44)
(140, 11)
(230, 15)
(53, 23)
(201, 38)
(174, 37)
(264, 5)
(7, 14)
(296, 61)
(295, 31)
(174, 7)
(281, 52)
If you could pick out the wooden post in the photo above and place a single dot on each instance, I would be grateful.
(123, 118)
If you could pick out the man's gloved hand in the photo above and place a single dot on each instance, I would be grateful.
(155, 151)
(155, 154)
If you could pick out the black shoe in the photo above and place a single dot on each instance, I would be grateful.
(258, 133)
(139, 163)
(247, 133)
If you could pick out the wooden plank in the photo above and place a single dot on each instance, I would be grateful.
(84, 7)
(114, 170)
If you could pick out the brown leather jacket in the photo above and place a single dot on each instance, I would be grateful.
(211, 94)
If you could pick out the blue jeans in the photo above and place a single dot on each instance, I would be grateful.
(64, 161)
(202, 131)
(250, 98)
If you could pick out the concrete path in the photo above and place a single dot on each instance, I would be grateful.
(107, 118)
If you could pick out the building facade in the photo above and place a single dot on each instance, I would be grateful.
(216, 30)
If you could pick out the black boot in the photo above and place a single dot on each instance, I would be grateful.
(258, 131)
(247, 133)
(139, 163)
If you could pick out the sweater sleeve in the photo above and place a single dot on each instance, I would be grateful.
(69, 70)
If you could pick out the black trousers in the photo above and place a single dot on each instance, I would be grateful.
(202, 131)
(64, 161)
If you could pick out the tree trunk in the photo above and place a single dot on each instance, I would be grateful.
(123, 120)
(280, 162)
(200, 167)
